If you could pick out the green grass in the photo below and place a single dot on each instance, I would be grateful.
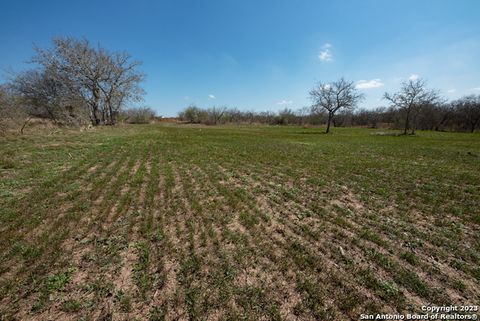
(155, 222)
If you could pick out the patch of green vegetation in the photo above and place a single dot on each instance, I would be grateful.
(51, 284)
(386, 290)
(255, 304)
(58, 281)
(248, 220)
(314, 300)
(124, 300)
(410, 257)
(372, 236)
(156, 314)
(412, 282)
(71, 306)
(140, 270)
(99, 287)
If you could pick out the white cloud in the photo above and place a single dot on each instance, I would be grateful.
(413, 77)
(369, 84)
(475, 89)
(326, 54)
(211, 96)
(285, 102)
(451, 91)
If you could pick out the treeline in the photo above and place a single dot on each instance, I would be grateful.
(76, 83)
(413, 106)
(72, 83)
(459, 115)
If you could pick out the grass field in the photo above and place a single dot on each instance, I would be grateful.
(236, 223)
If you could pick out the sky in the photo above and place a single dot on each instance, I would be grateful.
(261, 55)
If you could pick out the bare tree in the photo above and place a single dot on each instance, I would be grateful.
(412, 96)
(340, 94)
(434, 116)
(138, 115)
(216, 113)
(121, 84)
(13, 113)
(4, 108)
(194, 115)
(286, 117)
(105, 81)
(77, 64)
(462, 114)
(44, 95)
(468, 108)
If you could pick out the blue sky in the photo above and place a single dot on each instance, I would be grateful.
(262, 55)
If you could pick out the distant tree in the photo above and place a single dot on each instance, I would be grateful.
(194, 115)
(365, 117)
(216, 113)
(138, 115)
(412, 96)
(286, 117)
(235, 115)
(304, 114)
(188, 114)
(434, 116)
(445, 113)
(339, 95)
(468, 109)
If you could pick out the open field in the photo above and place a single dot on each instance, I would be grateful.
(236, 223)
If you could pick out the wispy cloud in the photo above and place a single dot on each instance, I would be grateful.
(229, 59)
(413, 77)
(186, 97)
(475, 89)
(326, 54)
(369, 84)
(211, 96)
(451, 91)
(285, 102)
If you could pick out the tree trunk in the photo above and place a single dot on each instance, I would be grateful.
(328, 123)
(406, 122)
(444, 120)
(24, 125)
(96, 99)
(112, 120)
(95, 117)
